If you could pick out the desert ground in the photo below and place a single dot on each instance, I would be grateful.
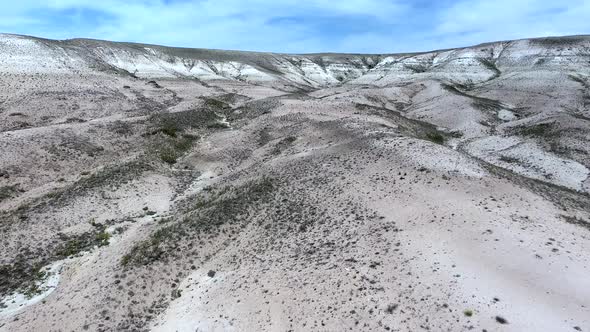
(147, 188)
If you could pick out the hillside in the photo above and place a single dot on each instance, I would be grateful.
(145, 187)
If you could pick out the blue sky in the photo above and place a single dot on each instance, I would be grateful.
(298, 26)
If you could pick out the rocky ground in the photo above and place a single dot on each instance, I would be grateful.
(152, 188)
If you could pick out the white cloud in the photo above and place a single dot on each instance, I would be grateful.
(213, 24)
(482, 20)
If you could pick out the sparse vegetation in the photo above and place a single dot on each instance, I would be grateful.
(501, 320)
(169, 127)
(112, 176)
(172, 149)
(26, 271)
(34, 288)
(220, 207)
(173, 123)
(557, 41)
(509, 159)
(283, 144)
(216, 104)
(254, 109)
(484, 104)
(176, 293)
(74, 244)
(465, 86)
(391, 308)
(491, 66)
(578, 79)
(7, 192)
(538, 130)
(577, 221)
(435, 137)
(154, 84)
(22, 275)
(153, 249)
(168, 155)
(102, 238)
(416, 68)
(122, 128)
(454, 89)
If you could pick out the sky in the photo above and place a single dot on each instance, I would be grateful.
(298, 26)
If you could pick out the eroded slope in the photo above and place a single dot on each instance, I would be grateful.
(150, 188)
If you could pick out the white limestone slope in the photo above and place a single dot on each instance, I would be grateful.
(528, 159)
(25, 55)
(21, 54)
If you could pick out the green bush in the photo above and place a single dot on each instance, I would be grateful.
(168, 155)
(435, 137)
(169, 128)
(102, 238)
